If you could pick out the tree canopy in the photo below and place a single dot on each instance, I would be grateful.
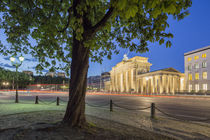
(72, 31)
(113, 22)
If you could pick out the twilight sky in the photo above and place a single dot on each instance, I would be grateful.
(189, 34)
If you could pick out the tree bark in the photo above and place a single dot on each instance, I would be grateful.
(75, 112)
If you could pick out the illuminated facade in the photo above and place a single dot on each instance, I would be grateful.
(197, 69)
(133, 75)
(167, 80)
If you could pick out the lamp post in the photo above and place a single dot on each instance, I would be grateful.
(17, 65)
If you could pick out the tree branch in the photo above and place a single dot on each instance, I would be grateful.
(103, 21)
(68, 22)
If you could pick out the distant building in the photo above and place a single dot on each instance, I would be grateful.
(52, 74)
(105, 76)
(197, 69)
(61, 74)
(28, 72)
(94, 82)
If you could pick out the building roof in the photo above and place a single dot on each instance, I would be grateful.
(169, 70)
(162, 70)
(198, 50)
(134, 59)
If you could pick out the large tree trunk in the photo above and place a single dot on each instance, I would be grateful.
(75, 112)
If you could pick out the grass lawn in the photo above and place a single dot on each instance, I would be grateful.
(8, 107)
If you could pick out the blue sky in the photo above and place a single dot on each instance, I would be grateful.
(189, 34)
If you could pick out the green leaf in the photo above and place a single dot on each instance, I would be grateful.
(161, 41)
(168, 44)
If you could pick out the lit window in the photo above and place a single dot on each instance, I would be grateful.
(204, 75)
(204, 55)
(190, 88)
(205, 87)
(190, 76)
(196, 76)
(189, 58)
(196, 57)
(204, 64)
(196, 87)
(196, 66)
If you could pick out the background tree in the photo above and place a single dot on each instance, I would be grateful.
(74, 30)
(9, 76)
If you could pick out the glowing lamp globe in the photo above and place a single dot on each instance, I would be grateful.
(21, 58)
(12, 59)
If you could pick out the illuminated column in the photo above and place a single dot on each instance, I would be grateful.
(126, 81)
(160, 84)
(164, 83)
(178, 83)
(141, 85)
(116, 83)
(137, 85)
(170, 84)
(156, 84)
(153, 84)
(128, 84)
(121, 82)
(132, 79)
(112, 82)
(173, 84)
(167, 84)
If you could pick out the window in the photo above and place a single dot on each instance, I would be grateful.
(196, 87)
(189, 58)
(204, 64)
(196, 57)
(190, 88)
(196, 66)
(204, 75)
(189, 77)
(204, 55)
(196, 76)
(189, 67)
(205, 87)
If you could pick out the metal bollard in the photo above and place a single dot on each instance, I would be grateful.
(57, 100)
(152, 110)
(111, 106)
(37, 100)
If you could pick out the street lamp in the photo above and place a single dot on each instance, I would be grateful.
(17, 64)
(5, 84)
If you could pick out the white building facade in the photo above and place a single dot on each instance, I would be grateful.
(197, 70)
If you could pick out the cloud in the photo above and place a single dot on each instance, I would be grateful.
(31, 60)
(6, 65)
(6, 58)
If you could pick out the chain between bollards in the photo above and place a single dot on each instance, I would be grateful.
(57, 101)
(37, 100)
(111, 106)
(153, 110)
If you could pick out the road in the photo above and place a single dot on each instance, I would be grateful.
(189, 108)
